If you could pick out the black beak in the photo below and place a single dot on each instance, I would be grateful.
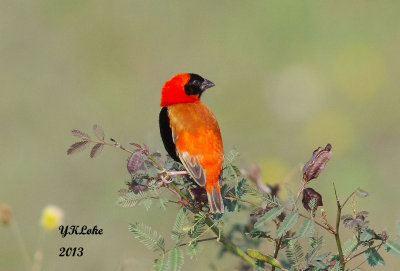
(206, 84)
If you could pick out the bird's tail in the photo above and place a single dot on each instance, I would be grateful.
(215, 201)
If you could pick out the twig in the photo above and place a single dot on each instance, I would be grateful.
(362, 252)
(233, 197)
(344, 203)
(116, 144)
(24, 250)
(316, 222)
(337, 237)
(378, 247)
(228, 244)
(199, 241)
(277, 248)
(301, 188)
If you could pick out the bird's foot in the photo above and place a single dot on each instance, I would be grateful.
(172, 173)
(165, 176)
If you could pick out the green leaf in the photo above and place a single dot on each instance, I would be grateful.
(131, 199)
(241, 188)
(231, 156)
(294, 253)
(348, 246)
(177, 229)
(366, 235)
(361, 193)
(198, 226)
(175, 259)
(315, 240)
(160, 264)
(319, 265)
(306, 228)
(148, 237)
(271, 214)
(260, 266)
(147, 203)
(192, 250)
(255, 254)
(337, 266)
(373, 257)
(258, 234)
(287, 224)
(163, 203)
(392, 247)
(271, 200)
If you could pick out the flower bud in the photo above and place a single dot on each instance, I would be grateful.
(317, 162)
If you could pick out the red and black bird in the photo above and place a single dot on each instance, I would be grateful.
(191, 134)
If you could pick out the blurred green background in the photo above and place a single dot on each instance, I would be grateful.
(290, 76)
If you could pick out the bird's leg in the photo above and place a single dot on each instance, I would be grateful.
(165, 176)
(174, 173)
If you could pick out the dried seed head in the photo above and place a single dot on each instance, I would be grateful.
(311, 199)
(317, 162)
(5, 214)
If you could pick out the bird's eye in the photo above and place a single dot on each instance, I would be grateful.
(196, 82)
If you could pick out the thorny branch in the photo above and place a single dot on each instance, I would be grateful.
(337, 236)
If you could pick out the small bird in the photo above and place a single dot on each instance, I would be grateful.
(191, 134)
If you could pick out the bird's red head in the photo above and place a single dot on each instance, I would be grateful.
(184, 88)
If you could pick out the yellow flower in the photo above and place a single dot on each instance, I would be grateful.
(52, 217)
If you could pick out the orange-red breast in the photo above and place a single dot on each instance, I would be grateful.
(191, 134)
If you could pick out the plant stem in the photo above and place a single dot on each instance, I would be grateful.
(277, 248)
(24, 250)
(378, 247)
(316, 222)
(233, 197)
(228, 244)
(362, 252)
(344, 203)
(337, 236)
(201, 240)
(301, 188)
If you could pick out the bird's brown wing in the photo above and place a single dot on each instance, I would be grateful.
(192, 165)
